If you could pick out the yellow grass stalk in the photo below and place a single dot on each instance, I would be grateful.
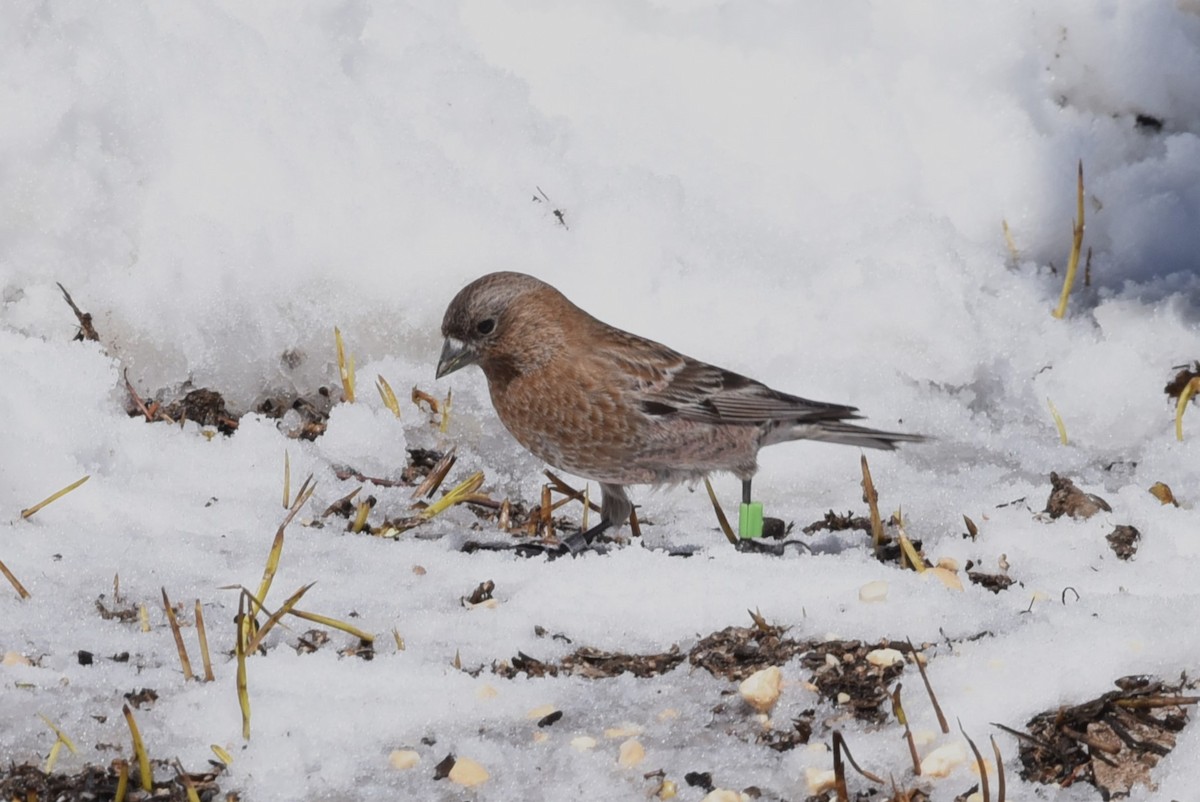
(1185, 395)
(222, 754)
(243, 692)
(286, 608)
(455, 496)
(122, 779)
(1058, 422)
(872, 498)
(333, 623)
(24, 594)
(444, 424)
(190, 787)
(179, 646)
(202, 634)
(1076, 246)
(29, 512)
(287, 479)
(345, 366)
(139, 751)
(388, 395)
(721, 519)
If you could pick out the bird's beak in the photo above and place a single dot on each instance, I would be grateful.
(455, 355)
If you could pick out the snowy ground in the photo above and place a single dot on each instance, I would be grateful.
(811, 194)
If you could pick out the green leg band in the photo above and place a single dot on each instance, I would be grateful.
(750, 520)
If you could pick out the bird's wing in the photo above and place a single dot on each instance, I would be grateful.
(667, 383)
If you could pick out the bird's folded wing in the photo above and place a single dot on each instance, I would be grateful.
(667, 383)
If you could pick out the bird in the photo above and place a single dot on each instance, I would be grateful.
(612, 407)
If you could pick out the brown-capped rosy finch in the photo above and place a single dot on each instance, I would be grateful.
(608, 405)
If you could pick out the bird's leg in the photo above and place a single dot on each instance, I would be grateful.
(582, 541)
(746, 491)
(615, 507)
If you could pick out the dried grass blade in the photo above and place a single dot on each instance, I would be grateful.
(202, 634)
(179, 645)
(333, 623)
(455, 496)
(284, 609)
(30, 511)
(721, 519)
(16, 583)
(139, 751)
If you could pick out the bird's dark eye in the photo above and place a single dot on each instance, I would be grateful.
(486, 326)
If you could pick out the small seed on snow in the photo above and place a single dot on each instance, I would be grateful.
(723, 795)
(885, 657)
(943, 760)
(761, 689)
(401, 759)
(668, 714)
(541, 736)
(467, 773)
(540, 712)
(583, 743)
(486, 692)
(843, 698)
(875, 591)
(819, 780)
(419, 570)
(668, 790)
(15, 659)
(949, 563)
(631, 753)
(624, 731)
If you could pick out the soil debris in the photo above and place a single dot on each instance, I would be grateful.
(27, 781)
(1112, 741)
(1124, 541)
(1067, 499)
(1184, 377)
(832, 522)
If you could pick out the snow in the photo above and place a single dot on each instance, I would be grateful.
(810, 194)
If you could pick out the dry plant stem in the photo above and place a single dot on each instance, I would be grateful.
(333, 623)
(1000, 782)
(983, 777)
(444, 424)
(286, 608)
(30, 511)
(179, 646)
(457, 495)
(420, 395)
(337, 505)
(345, 368)
(1185, 395)
(937, 708)
(122, 780)
(306, 491)
(1154, 702)
(186, 780)
(437, 474)
(388, 395)
(547, 510)
(634, 526)
(872, 498)
(839, 746)
(721, 519)
(86, 330)
(287, 479)
(139, 751)
(24, 594)
(1014, 255)
(910, 553)
(1058, 422)
(243, 692)
(898, 712)
(1076, 247)
(202, 634)
(565, 489)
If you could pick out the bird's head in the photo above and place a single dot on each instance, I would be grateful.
(493, 322)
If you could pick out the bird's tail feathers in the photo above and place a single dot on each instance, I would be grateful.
(842, 433)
